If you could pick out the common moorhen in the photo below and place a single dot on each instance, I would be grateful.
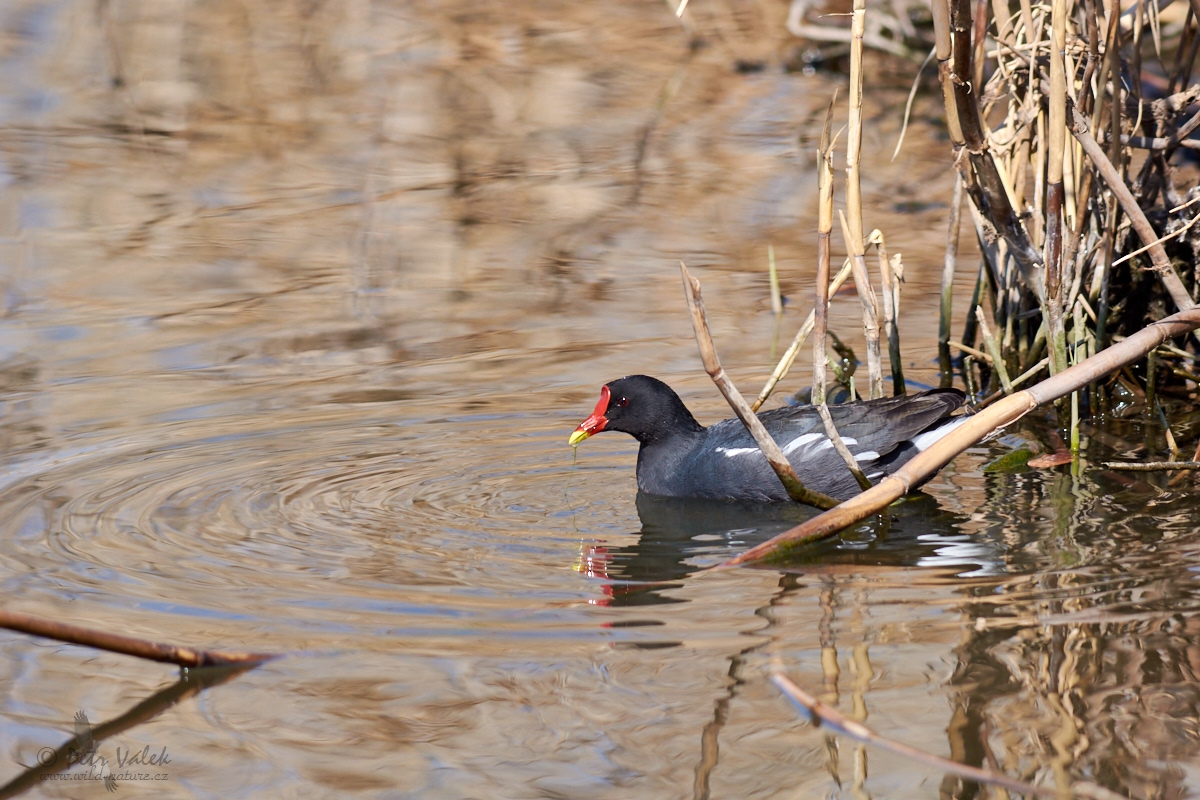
(679, 457)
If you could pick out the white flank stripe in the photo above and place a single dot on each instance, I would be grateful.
(801, 441)
(867, 455)
(925, 440)
(846, 440)
(736, 451)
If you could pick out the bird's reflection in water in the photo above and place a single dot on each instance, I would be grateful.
(680, 537)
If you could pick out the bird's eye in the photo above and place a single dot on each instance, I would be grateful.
(624, 401)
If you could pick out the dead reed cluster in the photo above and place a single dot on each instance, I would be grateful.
(1070, 125)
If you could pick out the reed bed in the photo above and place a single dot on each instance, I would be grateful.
(1070, 125)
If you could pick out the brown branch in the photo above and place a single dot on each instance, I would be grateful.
(1003, 413)
(127, 645)
(712, 365)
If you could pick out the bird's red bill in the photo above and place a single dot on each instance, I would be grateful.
(595, 423)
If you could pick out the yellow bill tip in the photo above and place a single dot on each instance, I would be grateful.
(577, 437)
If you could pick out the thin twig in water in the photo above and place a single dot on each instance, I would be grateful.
(821, 714)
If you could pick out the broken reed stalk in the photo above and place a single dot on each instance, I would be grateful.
(835, 720)
(852, 220)
(1004, 412)
(889, 278)
(870, 309)
(789, 355)
(993, 349)
(945, 367)
(824, 232)
(1052, 304)
(1129, 204)
(126, 645)
(712, 365)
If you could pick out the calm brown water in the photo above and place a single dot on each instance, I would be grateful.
(300, 303)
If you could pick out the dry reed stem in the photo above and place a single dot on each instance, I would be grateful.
(1003, 413)
(870, 308)
(993, 348)
(890, 275)
(988, 189)
(712, 365)
(824, 231)
(829, 716)
(949, 263)
(126, 645)
(853, 218)
(854, 127)
(982, 356)
(1129, 204)
(1056, 136)
(943, 49)
(789, 355)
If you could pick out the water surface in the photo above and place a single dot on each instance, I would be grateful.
(300, 303)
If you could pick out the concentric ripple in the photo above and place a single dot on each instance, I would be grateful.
(324, 513)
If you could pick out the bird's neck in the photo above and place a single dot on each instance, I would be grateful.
(660, 458)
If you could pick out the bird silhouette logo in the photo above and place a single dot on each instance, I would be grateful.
(85, 745)
(85, 750)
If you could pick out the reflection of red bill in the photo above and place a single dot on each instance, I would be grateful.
(593, 424)
(593, 562)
